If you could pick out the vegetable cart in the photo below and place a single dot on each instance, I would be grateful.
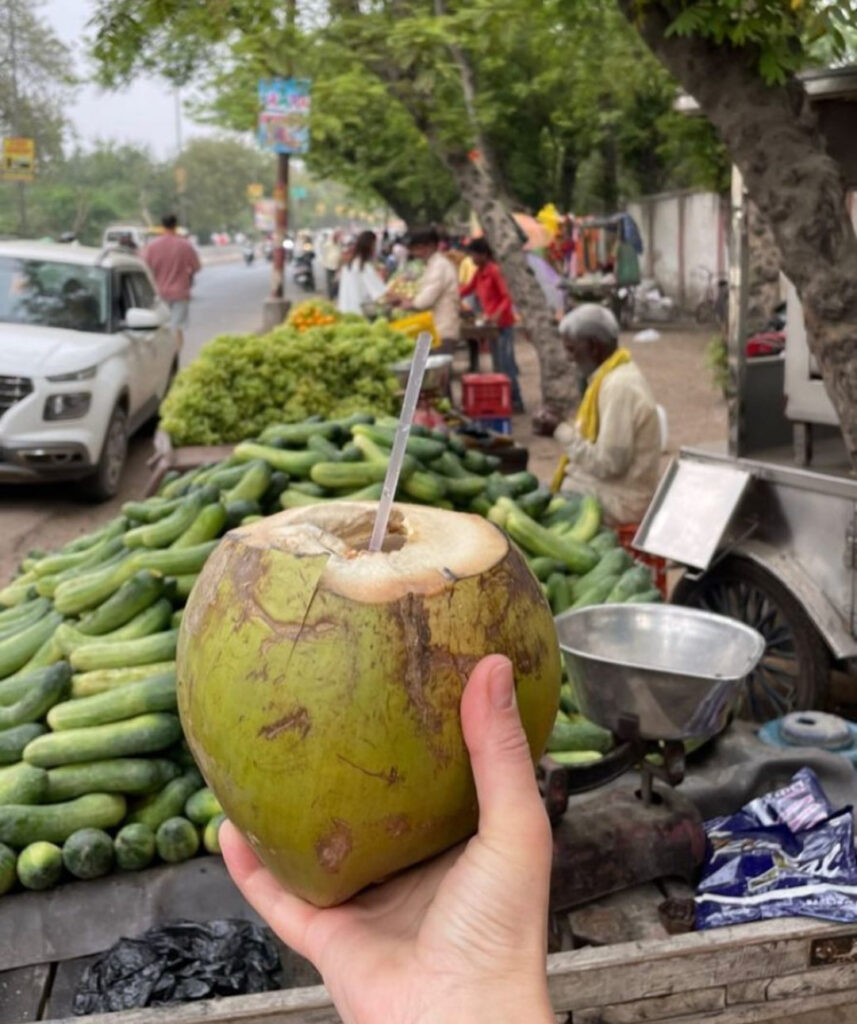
(766, 524)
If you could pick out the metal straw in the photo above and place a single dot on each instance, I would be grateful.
(400, 443)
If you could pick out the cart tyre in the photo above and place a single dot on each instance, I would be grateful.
(745, 590)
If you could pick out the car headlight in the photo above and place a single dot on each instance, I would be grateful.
(69, 406)
(86, 374)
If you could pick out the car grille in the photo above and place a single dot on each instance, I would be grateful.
(12, 390)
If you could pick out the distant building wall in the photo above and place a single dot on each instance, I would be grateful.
(684, 239)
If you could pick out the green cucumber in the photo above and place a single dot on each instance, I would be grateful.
(574, 732)
(39, 866)
(294, 463)
(143, 651)
(33, 611)
(211, 834)
(314, 490)
(448, 464)
(423, 448)
(133, 597)
(184, 584)
(521, 483)
(252, 485)
(150, 620)
(542, 567)
(175, 562)
(634, 580)
(8, 874)
(163, 532)
(559, 592)
(651, 596)
(14, 741)
(22, 683)
(237, 511)
(604, 540)
(85, 684)
(55, 564)
(201, 806)
(88, 853)
(423, 486)
(612, 563)
(169, 802)
(538, 540)
(347, 475)
(134, 847)
(176, 618)
(208, 524)
(144, 734)
(325, 447)
(290, 498)
(114, 528)
(595, 593)
(299, 434)
(21, 824)
(535, 502)
(129, 775)
(17, 649)
(371, 451)
(464, 488)
(475, 461)
(46, 586)
(23, 783)
(268, 501)
(157, 693)
(176, 840)
(51, 687)
(227, 476)
(588, 520)
(575, 758)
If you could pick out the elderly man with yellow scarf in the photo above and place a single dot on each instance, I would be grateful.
(613, 447)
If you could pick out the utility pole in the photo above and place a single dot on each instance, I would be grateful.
(181, 176)
(16, 109)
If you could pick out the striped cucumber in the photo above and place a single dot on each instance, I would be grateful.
(131, 775)
(133, 597)
(157, 693)
(21, 825)
(85, 684)
(144, 734)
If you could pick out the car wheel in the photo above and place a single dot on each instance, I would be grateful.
(104, 482)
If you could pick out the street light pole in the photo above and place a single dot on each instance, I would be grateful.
(181, 178)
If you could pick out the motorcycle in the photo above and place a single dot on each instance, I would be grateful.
(303, 273)
(249, 254)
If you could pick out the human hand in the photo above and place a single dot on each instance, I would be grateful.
(545, 422)
(461, 938)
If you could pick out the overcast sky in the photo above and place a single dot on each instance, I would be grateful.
(145, 113)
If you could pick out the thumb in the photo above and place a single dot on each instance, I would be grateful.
(510, 808)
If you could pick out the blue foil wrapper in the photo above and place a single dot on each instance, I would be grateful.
(786, 854)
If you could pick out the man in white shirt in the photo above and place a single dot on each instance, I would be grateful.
(613, 448)
(438, 290)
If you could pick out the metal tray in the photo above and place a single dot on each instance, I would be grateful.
(657, 672)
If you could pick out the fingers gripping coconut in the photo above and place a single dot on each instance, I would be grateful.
(319, 684)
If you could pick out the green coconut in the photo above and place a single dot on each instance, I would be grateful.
(319, 684)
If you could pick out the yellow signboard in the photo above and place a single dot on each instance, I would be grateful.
(19, 159)
(255, 191)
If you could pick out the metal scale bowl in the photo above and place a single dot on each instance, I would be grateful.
(655, 676)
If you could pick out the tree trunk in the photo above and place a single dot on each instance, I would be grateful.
(764, 284)
(773, 137)
(484, 195)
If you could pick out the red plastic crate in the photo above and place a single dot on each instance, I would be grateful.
(658, 565)
(486, 395)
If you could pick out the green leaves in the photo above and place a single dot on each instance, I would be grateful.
(240, 384)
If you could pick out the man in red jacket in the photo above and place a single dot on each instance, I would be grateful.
(490, 288)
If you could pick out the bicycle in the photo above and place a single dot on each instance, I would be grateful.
(714, 307)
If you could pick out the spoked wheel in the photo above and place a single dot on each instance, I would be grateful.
(795, 668)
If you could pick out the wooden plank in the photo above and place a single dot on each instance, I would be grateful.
(812, 1010)
(747, 991)
(627, 916)
(814, 982)
(65, 984)
(22, 993)
(588, 977)
(290, 1006)
(661, 1008)
(80, 918)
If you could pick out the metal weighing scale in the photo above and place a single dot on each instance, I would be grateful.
(655, 676)
(435, 385)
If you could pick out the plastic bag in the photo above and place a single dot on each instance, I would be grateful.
(178, 963)
(786, 854)
(415, 324)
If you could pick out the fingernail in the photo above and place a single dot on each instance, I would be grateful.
(501, 686)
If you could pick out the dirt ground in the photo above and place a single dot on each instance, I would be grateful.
(675, 369)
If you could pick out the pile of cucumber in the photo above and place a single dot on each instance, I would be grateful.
(94, 772)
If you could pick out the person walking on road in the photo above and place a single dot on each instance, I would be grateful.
(490, 288)
(359, 281)
(174, 264)
(331, 258)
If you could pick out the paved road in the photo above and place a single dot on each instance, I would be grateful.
(228, 298)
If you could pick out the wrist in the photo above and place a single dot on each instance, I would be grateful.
(500, 1004)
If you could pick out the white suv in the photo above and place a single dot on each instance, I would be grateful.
(86, 355)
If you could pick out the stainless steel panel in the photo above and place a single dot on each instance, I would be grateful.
(807, 400)
(675, 670)
(691, 510)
